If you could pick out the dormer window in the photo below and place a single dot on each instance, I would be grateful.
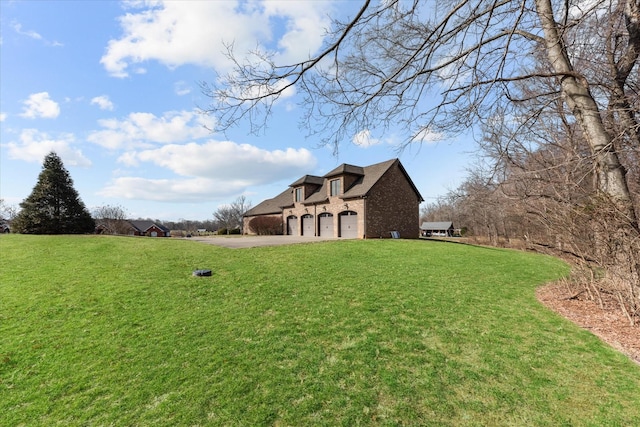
(335, 187)
(298, 194)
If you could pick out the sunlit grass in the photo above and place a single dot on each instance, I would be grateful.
(116, 331)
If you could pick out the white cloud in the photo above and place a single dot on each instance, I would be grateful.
(181, 88)
(17, 27)
(167, 190)
(143, 130)
(40, 105)
(177, 33)
(223, 159)
(211, 170)
(363, 139)
(3, 117)
(426, 135)
(35, 145)
(103, 102)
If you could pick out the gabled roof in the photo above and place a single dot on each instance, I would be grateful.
(367, 177)
(143, 226)
(372, 175)
(320, 196)
(442, 225)
(272, 206)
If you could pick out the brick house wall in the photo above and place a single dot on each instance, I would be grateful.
(334, 206)
(159, 232)
(393, 205)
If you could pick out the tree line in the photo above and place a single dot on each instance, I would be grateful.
(55, 207)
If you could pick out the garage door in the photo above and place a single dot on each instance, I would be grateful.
(292, 226)
(326, 225)
(349, 225)
(307, 226)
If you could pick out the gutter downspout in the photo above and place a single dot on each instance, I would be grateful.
(364, 220)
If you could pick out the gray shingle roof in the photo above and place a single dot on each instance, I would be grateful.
(319, 196)
(371, 175)
(368, 176)
(441, 225)
(143, 226)
(272, 206)
(308, 179)
(346, 169)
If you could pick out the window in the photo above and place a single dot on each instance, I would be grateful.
(298, 194)
(335, 187)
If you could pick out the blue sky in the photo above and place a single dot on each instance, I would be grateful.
(113, 88)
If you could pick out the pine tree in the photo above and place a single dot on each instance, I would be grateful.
(54, 206)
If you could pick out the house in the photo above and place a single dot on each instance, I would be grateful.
(349, 201)
(442, 229)
(148, 228)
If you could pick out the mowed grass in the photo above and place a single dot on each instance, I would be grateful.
(101, 330)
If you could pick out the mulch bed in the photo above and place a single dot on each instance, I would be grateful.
(608, 323)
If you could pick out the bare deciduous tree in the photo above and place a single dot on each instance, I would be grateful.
(521, 69)
(7, 212)
(379, 68)
(111, 219)
(230, 216)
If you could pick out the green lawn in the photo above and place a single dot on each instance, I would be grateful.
(98, 330)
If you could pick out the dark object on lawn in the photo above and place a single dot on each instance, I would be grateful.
(201, 273)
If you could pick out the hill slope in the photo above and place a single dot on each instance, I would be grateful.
(108, 330)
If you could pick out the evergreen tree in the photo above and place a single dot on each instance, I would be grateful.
(54, 206)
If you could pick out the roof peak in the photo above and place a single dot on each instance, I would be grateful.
(346, 168)
(308, 179)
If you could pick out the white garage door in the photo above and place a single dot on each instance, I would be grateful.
(326, 225)
(307, 226)
(292, 226)
(349, 225)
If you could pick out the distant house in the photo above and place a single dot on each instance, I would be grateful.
(349, 201)
(148, 228)
(441, 229)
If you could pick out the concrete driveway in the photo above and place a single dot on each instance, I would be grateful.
(237, 242)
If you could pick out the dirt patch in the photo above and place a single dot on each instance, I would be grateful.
(607, 323)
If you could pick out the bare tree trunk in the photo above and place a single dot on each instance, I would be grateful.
(611, 173)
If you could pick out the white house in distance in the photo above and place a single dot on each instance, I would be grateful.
(440, 229)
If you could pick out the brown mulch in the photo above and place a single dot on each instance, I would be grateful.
(608, 323)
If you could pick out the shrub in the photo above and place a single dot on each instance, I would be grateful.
(228, 231)
(266, 225)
